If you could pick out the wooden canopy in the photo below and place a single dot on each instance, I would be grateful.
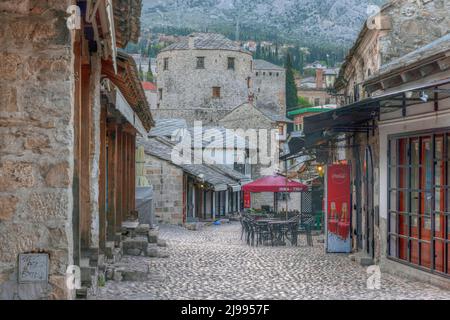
(128, 82)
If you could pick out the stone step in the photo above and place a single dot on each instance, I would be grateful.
(135, 246)
(81, 293)
(153, 236)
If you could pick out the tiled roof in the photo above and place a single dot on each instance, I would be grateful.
(439, 46)
(228, 139)
(206, 41)
(276, 117)
(167, 127)
(259, 64)
(148, 86)
(162, 148)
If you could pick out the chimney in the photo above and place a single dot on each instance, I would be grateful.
(319, 78)
(191, 41)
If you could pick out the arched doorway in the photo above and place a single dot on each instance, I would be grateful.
(369, 203)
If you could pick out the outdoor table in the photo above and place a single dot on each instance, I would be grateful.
(278, 229)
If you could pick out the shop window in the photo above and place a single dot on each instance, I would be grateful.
(419, 200)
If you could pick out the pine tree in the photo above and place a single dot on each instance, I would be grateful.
(141, 73)
(291, 88)
(149, 73)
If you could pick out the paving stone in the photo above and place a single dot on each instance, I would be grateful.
(162, 243)
(213, 263)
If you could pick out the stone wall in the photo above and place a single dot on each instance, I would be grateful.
(36, 143)
(167, 182)
(413, 25)
(248, 117)
(186, 88)
(269, 87)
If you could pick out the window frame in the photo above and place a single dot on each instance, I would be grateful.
(232, 65)
(202, 65)
(216, 90)
(419, 238)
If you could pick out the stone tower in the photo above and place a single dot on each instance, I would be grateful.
(202, 77)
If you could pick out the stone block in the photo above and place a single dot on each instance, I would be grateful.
(142, 229)
(8, 103)
(133, 275)
(135, 247)
(8, 206)
(46, 206)
(163, 255)
(152, 252)
(162, 243)
(15, 175)
(117, 275)
(58, 176)
(153, 236)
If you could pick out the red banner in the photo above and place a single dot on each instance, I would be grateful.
(247, 200)
(338, 201)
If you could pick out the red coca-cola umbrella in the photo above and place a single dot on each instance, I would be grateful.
(274, 184)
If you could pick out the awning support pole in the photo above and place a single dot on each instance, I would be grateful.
(404, 105)
(436, 99)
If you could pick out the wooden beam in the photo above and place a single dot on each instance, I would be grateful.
(85, 153)
(133, 174)
(119, 178)
(102, 180)
(111, 170)
(76, 174)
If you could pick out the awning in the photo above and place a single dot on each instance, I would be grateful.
(127, 81)
(274, 184)
(295, 143)
(362, 115)
(235, 187)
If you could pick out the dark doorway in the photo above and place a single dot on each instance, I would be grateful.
(369, 204)
(358, 197)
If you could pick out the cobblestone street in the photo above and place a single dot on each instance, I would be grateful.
(214, 264)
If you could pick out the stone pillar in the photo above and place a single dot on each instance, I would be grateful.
(239, 202)
(214, 204)
(227, 193)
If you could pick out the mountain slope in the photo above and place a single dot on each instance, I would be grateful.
(308, 21)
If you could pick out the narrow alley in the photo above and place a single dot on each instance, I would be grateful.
(214, 263)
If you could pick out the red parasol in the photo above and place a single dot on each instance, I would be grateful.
(274, 184)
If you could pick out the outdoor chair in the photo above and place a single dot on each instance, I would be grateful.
(305, 226)
(262, 233)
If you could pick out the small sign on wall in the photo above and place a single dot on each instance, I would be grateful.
(33, 267)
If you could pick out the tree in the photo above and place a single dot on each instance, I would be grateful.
(141, 73)
(149, 73)
(291, 87)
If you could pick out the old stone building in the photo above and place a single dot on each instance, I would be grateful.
(185, 193)
(68, 104)
(391, 90)
(269, 86)
(202, 77)
(250, 117)
(315, 91)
